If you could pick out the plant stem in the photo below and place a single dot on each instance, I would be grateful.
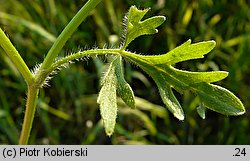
(34, 84)
(15, 57)
(29, 114)
(80, 55)
(68, 31)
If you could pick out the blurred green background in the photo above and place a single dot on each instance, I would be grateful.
(67, 112)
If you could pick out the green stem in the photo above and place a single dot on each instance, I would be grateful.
(15, 57)
(33, 90)
(80, 55)
(29, 114)
(34, 84)
(68, 31)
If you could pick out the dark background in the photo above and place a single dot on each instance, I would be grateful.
(67, 112)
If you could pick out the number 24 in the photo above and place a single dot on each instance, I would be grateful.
(240, 152)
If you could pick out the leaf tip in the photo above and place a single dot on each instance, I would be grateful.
(189, 41)
(242, 112)
(209, 44)
(109, 133)
(220, 100)
(241, 109)
(162, 18)
(213, 43)
(179, 117)
(201, 111)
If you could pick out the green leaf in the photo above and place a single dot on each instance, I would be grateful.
(124, 90)
(107, 100)
(135, 27)
(220, 99)
(112, 83)
(201, 111)
(166, 94)
(165, 76)
(197, 77)
(186, 51)
(161, 80)
(189, 51)
(170, 101)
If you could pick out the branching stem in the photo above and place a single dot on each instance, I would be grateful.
(34, 82)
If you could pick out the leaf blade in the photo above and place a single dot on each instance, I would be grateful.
(184, 52)
(197, 77)
(171, 102)
(123, 88)
(220, 99)
(135, 27)
(107, 101)
(201, 110)
(194, 81)
(166, 92)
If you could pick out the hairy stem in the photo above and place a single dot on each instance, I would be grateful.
(88, 53)
(29, 114)
(39, 81)
(34, 83)
(33, 90)
(81, 55)
(15, 57)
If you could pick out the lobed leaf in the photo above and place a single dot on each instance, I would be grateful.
(166, 76)
(135, 27)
